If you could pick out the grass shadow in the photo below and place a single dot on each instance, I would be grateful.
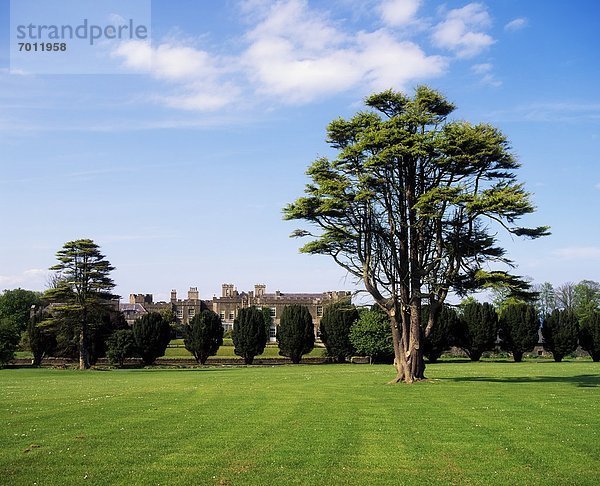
(587, 381)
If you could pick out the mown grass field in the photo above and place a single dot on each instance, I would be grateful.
(472, 423)
(177, 350)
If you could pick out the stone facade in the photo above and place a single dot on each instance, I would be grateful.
(182, 309)
(230, 302)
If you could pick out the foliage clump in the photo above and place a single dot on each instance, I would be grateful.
(9, 339)
(16, 305)
(152, 334)
(589, 335)
(478, 329)
(518, 329)
(442, 336)
(203, 336)
(560, 331)
(335, 328)
(296, 332)
(371, 336)
(250, 333)
(120, 346)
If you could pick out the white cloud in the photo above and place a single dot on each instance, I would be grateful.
(197, 76)
(33, 278)
(398, 12)
(579, 253)
(390, 63)
(298, 55)
(294, 53)
(136, 55)
(485, 70)
(550, 111)
(516, 24)
(482, 68)
(202, 98)
(167, 61)
(462, 31)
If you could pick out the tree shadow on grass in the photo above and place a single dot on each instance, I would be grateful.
(586, 381)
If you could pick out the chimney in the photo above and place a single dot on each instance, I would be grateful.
(227, 290)
(173, 295)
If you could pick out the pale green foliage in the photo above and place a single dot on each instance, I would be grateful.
(16, 305)
(586, 298)
(546, 299)
(370, 335)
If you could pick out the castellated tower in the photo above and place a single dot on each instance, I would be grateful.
(227, 290)
(193, 294)
(259, 290)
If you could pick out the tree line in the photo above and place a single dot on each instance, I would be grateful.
(76, 318)
(473, 327)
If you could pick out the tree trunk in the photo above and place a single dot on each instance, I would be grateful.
(37, 360)
(399, 356)
(248, 360)
(84, 355)
(518, 356)
(408, 355)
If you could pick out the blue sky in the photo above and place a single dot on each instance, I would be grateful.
(179, 169)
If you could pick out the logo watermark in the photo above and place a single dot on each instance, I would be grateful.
(75, 36)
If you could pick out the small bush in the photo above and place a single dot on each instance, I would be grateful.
(152, 334)
(250, 334)
(371, 335)
(518, 331)
(204, 335)
(589, 334)
(120, 346)
(296, 333)
(9, 339)
(335, 329)
(478, 329)
(560, 331)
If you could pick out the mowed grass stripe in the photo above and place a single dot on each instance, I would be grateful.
(472, 423)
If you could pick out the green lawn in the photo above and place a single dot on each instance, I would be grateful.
(472, 423)
(226, 351)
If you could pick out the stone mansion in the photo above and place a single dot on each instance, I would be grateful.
(231, 301)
